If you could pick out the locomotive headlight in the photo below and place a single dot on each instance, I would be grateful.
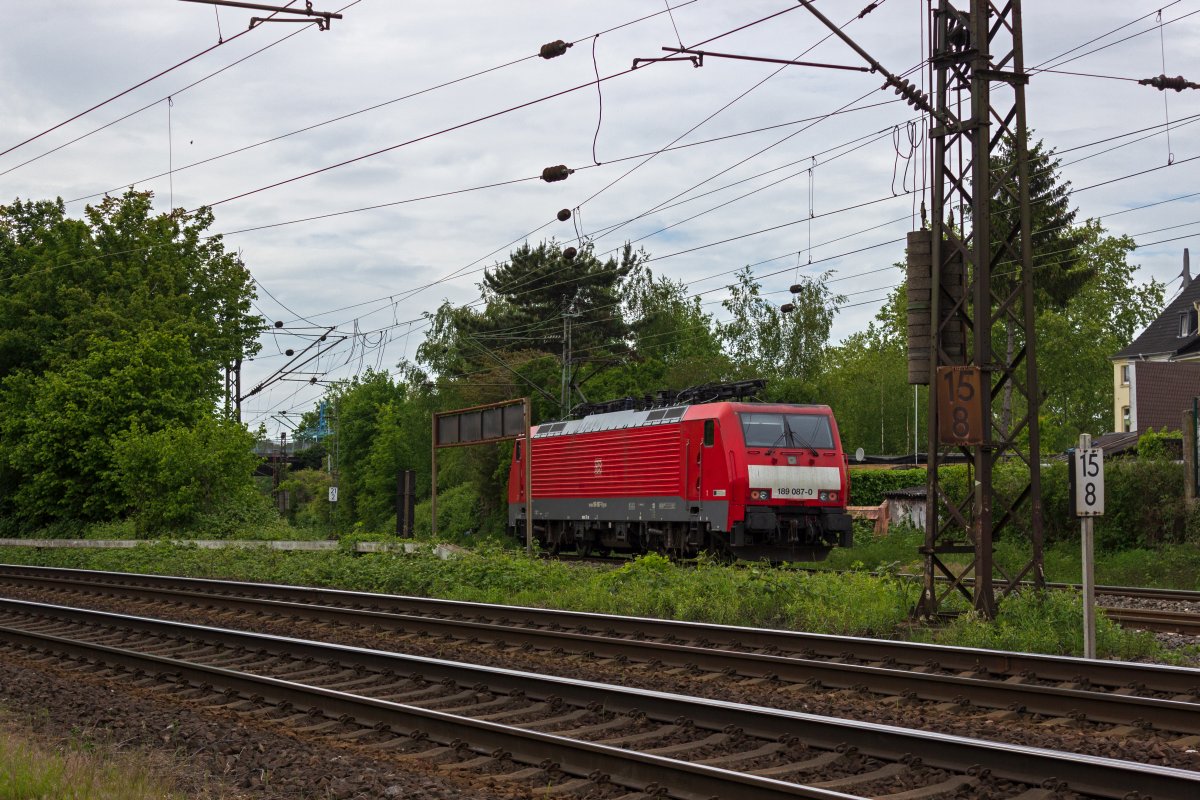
(824, 496)
(760, 494)
(833, 495)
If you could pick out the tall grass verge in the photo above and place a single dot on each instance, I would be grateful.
(32, 770)
(1048, 622)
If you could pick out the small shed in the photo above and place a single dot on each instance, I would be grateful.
(906, 506)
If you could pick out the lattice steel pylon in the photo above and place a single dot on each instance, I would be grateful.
(977, 67)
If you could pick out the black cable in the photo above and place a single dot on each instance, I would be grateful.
(137, 85)
(342, 117)
(452, 128)
(176, 92)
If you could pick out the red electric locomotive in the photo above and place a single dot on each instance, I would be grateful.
(749, 480)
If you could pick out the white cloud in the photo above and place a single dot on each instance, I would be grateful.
(59, 59)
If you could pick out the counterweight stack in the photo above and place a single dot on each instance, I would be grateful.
(919, 280)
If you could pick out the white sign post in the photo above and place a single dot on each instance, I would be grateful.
(1087, 493)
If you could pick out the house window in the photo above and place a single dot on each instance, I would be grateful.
(1125, 418)
(1124, 374)
(1187, 323)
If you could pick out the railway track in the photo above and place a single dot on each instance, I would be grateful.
(528, 729)
(1116, 698)
(1152, 619)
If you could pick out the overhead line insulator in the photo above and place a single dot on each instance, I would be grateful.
(554, 49)
(554, 174)
(1162, 83)
(911, 94)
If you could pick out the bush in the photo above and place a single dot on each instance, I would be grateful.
(458, 515)
(867, 486)
(1144, 505)
(310, 506)
(174, 477)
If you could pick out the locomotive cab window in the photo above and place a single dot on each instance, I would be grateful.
(710, 435)
(787, 430)
(518, 456)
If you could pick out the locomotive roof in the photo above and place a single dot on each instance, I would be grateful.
(617, 420)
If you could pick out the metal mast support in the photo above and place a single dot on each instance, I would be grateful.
(977, 65)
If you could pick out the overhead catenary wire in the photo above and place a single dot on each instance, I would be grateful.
(845, 277)
(220, 42)
(1152, 128)
(1084, 188)
(348, 115)
(448, 129)
(850, 276)
(176, 92)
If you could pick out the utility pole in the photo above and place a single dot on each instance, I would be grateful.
(237, 389)
(567, 379)
(977, 64)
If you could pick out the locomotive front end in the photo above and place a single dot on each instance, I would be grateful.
(796, 482)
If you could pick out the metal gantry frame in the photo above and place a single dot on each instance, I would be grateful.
(977, 66)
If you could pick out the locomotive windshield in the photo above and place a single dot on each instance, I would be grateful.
(787, 430)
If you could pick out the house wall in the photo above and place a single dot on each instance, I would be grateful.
(1121, 394)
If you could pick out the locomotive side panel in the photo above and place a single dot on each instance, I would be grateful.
(638, 462)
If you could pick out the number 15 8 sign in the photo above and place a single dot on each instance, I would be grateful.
(960, 405)
(1087, 481)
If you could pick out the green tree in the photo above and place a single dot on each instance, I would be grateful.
(764, 342)
(117, 320)
(380, 427)
(1076, 340)
(672, 341)
(71, 282)
(517, 337)
(1061, 269)
(865, 382)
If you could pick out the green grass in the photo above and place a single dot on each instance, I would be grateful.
(1045, 622)
(850, 603)
(1175, 566)
(32, 770)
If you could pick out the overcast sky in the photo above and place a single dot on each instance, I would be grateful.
(469, 105)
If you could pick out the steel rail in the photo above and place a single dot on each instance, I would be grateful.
(1180, 681)
(1153, 619)
(573, 756)
(1177, 715)
(1089, 775)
